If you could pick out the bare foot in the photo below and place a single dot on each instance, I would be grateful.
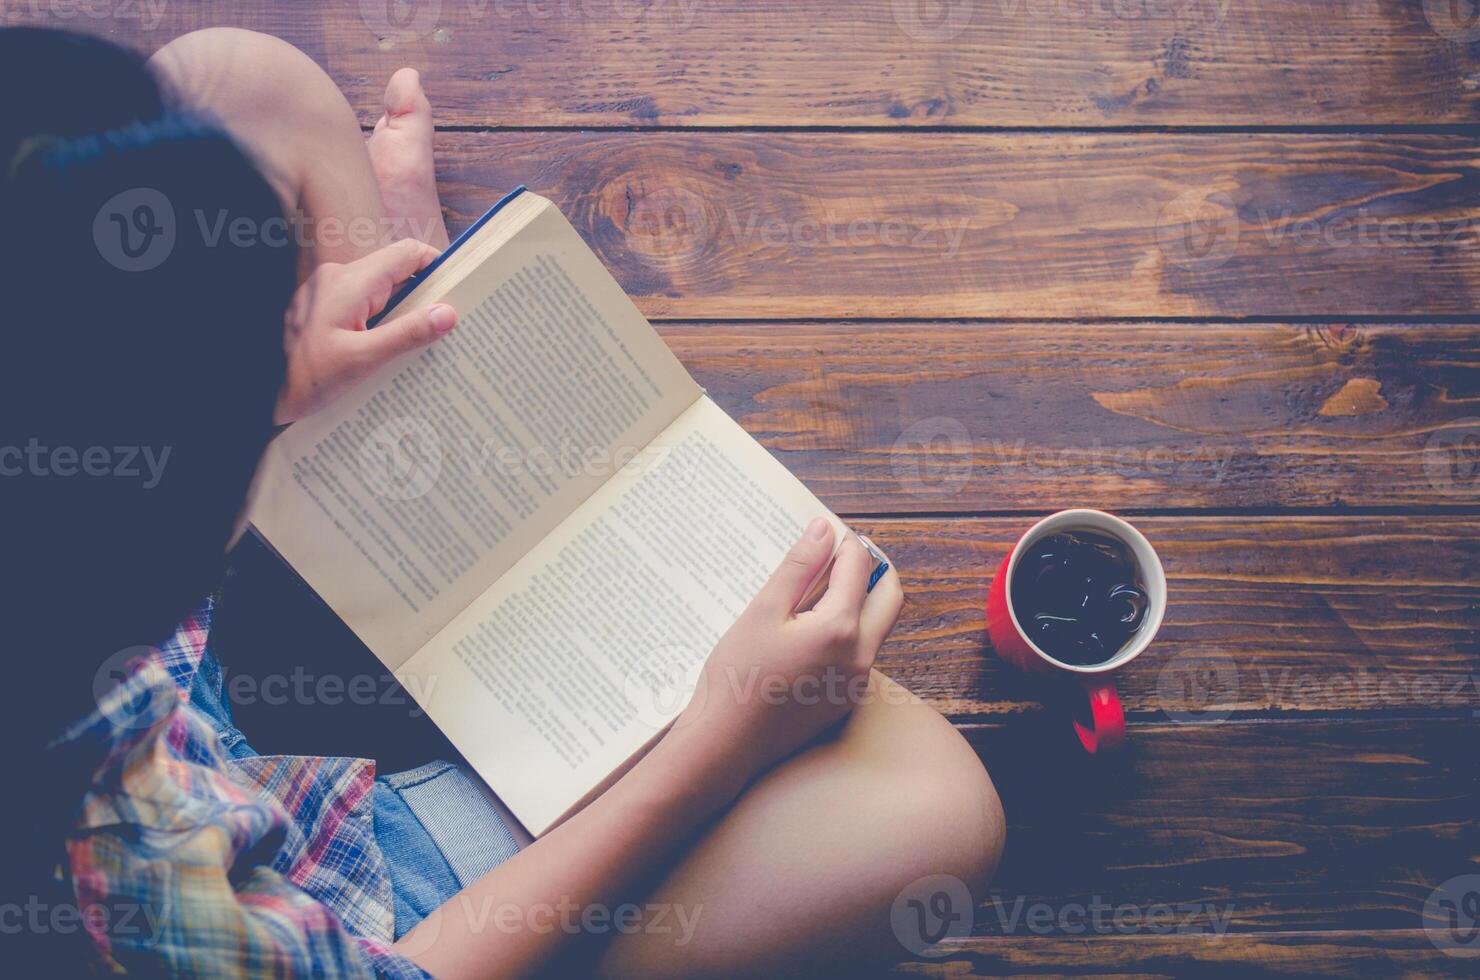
(401, 155)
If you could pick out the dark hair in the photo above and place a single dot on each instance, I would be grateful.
(141, 361)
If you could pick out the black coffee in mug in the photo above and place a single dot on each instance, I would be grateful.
(1079, 596)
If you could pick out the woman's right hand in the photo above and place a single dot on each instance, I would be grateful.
(779, 677)
(324, 334)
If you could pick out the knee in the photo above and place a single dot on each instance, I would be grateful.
(940, 805)
(236, 72)
(233, 46)
(224, 47)
(948, 794)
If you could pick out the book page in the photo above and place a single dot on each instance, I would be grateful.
(586, 649)
(406, 499)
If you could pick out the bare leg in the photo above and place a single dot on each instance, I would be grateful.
(800, 875)
(348, 197)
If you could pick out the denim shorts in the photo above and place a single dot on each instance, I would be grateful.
(434, 824)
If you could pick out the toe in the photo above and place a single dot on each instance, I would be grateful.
(404, 96)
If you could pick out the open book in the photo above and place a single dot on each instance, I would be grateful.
(540, 523)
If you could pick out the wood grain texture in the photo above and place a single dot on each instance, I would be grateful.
(933, 417)
(1285, 615)
(1334, 953)
(1079, 63)
(1244, 825)
(757, 225)
(1278, 820)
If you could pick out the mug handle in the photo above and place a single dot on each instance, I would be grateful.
(1106, 730)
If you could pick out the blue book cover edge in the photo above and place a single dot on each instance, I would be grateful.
(421, 276)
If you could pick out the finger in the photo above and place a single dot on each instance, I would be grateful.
(880, 612)
(806, 558)
(376, 275)
(847, 585)
(407, 332)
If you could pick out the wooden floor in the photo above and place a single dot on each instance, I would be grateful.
(1211, 264)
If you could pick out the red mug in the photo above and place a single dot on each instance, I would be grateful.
(1106, 728)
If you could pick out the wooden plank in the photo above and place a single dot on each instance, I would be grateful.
(747, 225)
(1079, 63)
(1334, 953)
(1264, 614)
(930, 417)
(1252, 825)
(1286, 615)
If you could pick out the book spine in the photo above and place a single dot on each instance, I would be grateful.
(462, 239)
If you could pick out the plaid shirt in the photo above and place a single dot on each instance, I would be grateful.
(186, 862)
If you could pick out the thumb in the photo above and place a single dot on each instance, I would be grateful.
(407, 332)
(787, 585)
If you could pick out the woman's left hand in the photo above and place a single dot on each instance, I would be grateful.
(329, 350)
